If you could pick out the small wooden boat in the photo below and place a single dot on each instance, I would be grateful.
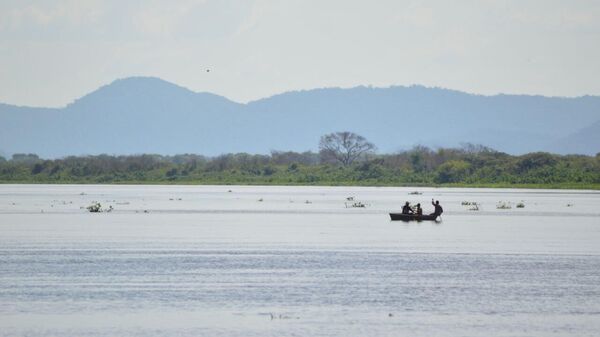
(412, 217)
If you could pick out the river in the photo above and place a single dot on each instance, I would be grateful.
(296, 261)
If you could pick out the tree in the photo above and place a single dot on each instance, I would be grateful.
(37, 168)
(420, 157)
(535, 160)
(476, 148)
(25, 158)
(452, 171)
(344, 147)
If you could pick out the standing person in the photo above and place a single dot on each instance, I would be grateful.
(406, 209)
(438, 208)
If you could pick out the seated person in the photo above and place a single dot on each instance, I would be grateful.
(419, 210)
(406, 209)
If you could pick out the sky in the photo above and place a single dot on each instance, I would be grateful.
(53, 52)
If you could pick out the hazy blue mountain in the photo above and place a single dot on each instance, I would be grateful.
(400, 117)
(583, 141)
(135, 115)
(149, 115)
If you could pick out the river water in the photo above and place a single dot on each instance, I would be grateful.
(296, 261)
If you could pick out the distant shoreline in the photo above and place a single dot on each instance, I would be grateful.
(470, 167)
(557, 186)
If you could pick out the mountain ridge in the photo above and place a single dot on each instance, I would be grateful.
(457, 91)
(148, 114)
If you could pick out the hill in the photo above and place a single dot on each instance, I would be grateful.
(149, 115)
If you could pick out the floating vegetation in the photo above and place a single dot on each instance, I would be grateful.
(354, 203)
(357, 204)
(415, 193)
(95, 207)
(503, 205)
(281, 316)
(521, 205)
(473, 205)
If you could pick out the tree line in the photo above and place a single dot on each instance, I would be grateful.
(344, 158)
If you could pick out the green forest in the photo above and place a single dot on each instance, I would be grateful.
(469, 166)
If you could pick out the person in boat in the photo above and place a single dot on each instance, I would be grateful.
(438, 208)
(406, 209)
(419, 210)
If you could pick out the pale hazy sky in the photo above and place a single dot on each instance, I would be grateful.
(52, 52)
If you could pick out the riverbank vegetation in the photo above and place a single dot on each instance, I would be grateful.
(473, 166)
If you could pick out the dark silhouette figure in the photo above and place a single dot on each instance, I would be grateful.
(419, 210)
(438, 209)
(406, 209)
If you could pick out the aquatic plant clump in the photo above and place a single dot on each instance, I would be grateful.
(503, 205)
(473, 205)
(94, 207)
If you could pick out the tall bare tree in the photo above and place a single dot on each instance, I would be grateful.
(344, 147)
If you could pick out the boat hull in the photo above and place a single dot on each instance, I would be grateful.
(412, 217)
